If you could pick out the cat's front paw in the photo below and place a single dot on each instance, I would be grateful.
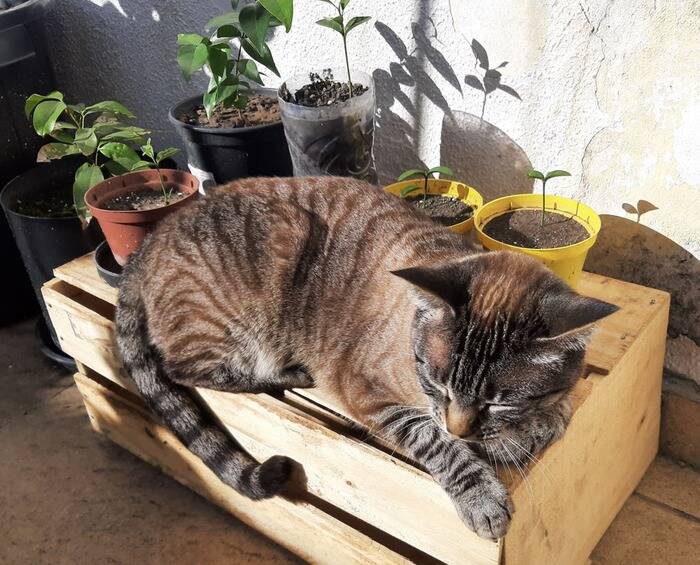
(486, 507)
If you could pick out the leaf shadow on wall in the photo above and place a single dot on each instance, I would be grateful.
(398, 136)
(483, 156)
(633, 252)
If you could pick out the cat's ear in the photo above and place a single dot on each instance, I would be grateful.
(448, 281)
(567, 312)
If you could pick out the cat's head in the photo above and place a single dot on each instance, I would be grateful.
(497, 337)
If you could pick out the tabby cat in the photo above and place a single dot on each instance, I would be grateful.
(272, 284)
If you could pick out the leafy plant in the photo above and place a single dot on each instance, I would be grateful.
(337, 23)
(642, 207)
(533, 174)
(491, 80)
(96, 132)
(422, 174)
(231, 73)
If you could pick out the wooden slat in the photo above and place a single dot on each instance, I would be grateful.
(82, 273)
(615, 334)
(300, 526)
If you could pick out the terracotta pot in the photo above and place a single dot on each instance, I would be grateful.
(126, 229)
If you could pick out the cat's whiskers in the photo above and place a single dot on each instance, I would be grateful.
(531, 456)
(514, 459)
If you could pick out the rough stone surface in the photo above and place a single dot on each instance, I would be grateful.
(683, 358)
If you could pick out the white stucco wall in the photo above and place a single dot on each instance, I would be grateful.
(610, 91)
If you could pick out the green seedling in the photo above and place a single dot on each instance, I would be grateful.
(533, 174)
(96, 132)
(155, 160)
(338, 24)
(422, 174)
(232, 51)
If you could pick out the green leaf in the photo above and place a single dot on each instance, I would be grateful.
(62, 135)
(263, 57)
(77, 108)
(557, 173)
(46, 114)
(58, 150)
(86, 141)
(406, 191)
(120, 153)
(254, 21)
(283, 10)
(125, 133)
(333, 24)
(223, 19)
(166, 153)
(344, 3)
(218, 58)
(191, 58)
(189, 39)
(228, 31)
(140, 166)
(411, 173)
(533, 174)
(87, 176)
(147, 150)
(34, 100)
(249, 69)
(111, 106)
(441, 170)
(356, 21)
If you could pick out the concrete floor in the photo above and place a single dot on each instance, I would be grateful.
(70, 496)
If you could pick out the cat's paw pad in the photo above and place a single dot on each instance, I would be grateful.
(486, 508)
(274, 473)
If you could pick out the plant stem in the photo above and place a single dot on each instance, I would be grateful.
(347, 62)
(162, 186)
(425, 187)
(544, 183)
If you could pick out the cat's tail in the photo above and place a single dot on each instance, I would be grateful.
(177, 408)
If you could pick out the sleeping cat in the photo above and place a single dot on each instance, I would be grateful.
(272, 284)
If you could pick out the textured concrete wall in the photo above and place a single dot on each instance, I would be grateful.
(608, 89)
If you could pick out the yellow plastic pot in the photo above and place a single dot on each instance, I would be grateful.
(567, 262)
(450, 188)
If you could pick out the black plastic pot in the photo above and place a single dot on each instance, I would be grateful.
(46, 243)
(24, 69)
(224, 154)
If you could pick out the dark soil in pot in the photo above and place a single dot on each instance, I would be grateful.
(322, 91)
(145, 199)
(50, 206)
(259, 110)
(524, 229)
(443, 210)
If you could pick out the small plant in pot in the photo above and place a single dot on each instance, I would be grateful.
(129, 205)
(44, 205)
(446, 202)
(110, 149)
(556, 230)
(234, 129)
(329, 122)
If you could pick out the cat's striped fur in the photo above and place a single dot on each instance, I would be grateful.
(330, 282)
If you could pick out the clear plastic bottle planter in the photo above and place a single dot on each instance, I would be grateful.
(331, 140)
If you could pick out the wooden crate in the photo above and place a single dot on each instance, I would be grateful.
(365, 505)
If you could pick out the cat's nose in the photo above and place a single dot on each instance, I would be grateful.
(460, 419)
